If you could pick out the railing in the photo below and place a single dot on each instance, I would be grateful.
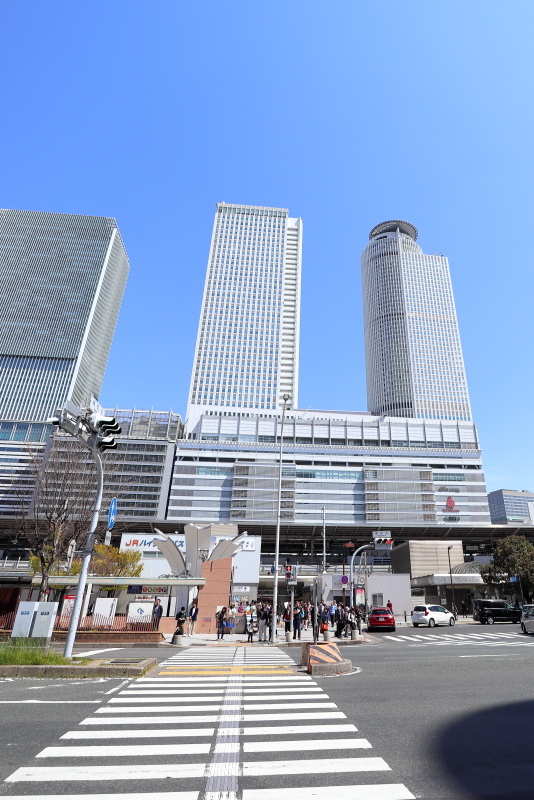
(91, 622)
(20, 566)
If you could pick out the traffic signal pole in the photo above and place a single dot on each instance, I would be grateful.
(278, 518)
(352, 586)
(88, 552)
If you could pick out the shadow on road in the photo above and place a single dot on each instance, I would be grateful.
(490, 754)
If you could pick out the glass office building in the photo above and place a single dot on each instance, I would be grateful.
(509, 507)
(247, 348)
(62, 279)
(414, 360)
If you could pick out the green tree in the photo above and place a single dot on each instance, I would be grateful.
(513, 557)
(108, 560)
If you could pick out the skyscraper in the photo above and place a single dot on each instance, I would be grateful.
(62, 279)
(414, 360)
(247, 349)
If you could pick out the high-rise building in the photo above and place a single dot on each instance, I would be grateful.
(414, 360)
(62, 279)
(247, 349)
(510, 506)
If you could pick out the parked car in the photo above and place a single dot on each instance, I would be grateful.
(380, 618)
(431, 616)
(527, 619)
(491, 611)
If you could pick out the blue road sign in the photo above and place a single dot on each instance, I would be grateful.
(112, 513)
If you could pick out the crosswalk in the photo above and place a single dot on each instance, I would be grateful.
(238, 724)
(486, 639)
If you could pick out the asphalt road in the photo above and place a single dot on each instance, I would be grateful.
(449, 710)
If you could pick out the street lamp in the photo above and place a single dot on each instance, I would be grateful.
(95, 431)
(449, 548)
(285, 398)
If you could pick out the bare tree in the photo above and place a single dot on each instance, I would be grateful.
(56, 510)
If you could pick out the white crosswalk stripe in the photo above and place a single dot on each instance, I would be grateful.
(493, 639)
(223, 736)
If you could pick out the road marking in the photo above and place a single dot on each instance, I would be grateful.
(308, 744)
(380, 791)
(236, 707)
(54, 702)
(116, 689)
(95, 652)
(158, 733)
(186, 692)
(313, 766)
(491, 655)
(276, 730)
(126, 772)
(89, 751)
(212, 718)
(223, 678)
(138, 796)
(217, 698)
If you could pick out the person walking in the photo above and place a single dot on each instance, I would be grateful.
(332, 611)
(359, 617)
(221, 623)
(157, 613)
(191, 621)
(464, 609)
(297, 619)
(390, 605)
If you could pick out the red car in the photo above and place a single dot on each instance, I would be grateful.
(380, 618)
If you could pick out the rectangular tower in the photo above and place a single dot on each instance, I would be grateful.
(413, 353)
(247, 348)
(62, 278)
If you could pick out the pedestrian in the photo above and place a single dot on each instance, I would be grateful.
(193, 614)
(297, 619)
(340, 621)
(332, 611)
(263, 619)
(221, 623)
(231, 618)
(359, 616)
(252, 622)
(157, 612)
(287, 618)
(390, 605)
(180, 620)
(464, 609)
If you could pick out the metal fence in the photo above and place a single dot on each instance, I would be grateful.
(91, 622)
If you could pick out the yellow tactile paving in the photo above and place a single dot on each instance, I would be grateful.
(228, 671)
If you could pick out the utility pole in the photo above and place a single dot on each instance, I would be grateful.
(95, 431)
(449, 548)
(278, 516)
(324, 540)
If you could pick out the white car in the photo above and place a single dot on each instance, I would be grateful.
(431, 616)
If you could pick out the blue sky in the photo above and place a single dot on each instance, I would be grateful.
(347, 113)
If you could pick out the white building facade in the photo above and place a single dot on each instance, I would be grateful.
(414, 358)
(247, 348)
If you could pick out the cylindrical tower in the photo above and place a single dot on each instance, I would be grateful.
(413, 355)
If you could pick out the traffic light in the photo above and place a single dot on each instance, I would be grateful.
(382, 540)
(105, 428)
(103, 425)
(289, 572)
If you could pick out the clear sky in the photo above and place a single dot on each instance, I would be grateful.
(347, 113)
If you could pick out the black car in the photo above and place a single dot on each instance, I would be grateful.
(491, 611)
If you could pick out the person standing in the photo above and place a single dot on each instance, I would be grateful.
(464, 609)
(297, 619)
(263, 618)
(332, 611)
(221, 623)
(157, 613)
(193, 614)
(390, 605)
(180, 620)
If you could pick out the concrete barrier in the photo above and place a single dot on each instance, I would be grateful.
(326, 659)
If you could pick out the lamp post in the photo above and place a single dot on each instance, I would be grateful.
(449, 548)
(324, 540)
(285, 398)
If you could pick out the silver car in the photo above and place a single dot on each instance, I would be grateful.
(527, 619)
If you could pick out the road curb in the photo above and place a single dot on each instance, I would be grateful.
(77, 671)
